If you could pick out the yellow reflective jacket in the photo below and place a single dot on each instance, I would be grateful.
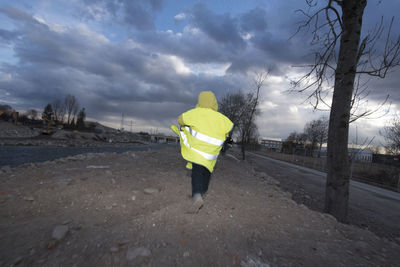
(203, 131)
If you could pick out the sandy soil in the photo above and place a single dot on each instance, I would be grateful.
(129, 210)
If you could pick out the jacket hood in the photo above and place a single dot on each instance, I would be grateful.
(207, 100)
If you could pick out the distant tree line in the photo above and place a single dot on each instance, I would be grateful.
(64, 112)
(315, 134)
(391, 133)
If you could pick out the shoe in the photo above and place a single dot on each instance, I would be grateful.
(197, 203)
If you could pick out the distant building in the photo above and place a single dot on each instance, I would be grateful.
(361, 155)
(274, 144)
(162, 139)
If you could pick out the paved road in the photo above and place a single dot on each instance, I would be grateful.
(370, 207)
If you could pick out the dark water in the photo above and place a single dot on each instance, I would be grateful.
(17, 155)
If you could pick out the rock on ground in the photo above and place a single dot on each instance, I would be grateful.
(59, 232)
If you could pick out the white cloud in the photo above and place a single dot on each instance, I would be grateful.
(178, 64)
(213, 69)
(180, 16)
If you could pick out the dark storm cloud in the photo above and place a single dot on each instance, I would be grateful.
(80, 62)
(195, 47)
(211, 37)
(137, 13)
(220, 27)
(254, 20)
(18, 15)
(8, 36)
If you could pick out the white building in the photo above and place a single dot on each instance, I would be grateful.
(271, 143)
(358, 154)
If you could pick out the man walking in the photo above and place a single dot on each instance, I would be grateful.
(203, 131)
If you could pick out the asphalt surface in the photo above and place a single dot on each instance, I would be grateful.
(372, 208)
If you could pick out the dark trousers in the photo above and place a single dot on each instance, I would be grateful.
(200, 179)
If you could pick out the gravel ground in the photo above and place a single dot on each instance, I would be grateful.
(129, 210)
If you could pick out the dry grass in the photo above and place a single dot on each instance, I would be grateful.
(381, 175)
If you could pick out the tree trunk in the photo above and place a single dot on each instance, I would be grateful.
(337, 184)
(319, 150)
(242, 148)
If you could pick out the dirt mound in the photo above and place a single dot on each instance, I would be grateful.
(129, 209)
(9, 130)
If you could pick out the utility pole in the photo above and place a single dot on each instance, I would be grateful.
(122, 122)
(131, 125)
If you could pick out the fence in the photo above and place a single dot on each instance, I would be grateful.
(381, 175)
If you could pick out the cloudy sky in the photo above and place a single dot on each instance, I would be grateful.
(149, 59)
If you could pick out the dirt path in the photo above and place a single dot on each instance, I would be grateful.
(129, 210)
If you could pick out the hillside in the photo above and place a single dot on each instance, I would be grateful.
(11, 134)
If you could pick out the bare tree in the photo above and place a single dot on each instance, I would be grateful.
(232, 105)
(58, 110)
(80, 122)
(391, 133)
(311, 131)
(294, 141)
(336, 28)
(237, 106)
(317, 133)
(47, 115)
(242, 110)
(71, 108)
(248, 125)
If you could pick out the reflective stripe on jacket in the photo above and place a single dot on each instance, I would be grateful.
(203, 135)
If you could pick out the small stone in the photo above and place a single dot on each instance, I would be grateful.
(41, 261)
(133, 198)
(253, 262)
(64, 181)
(361, 245)
(262, 175)
(114, 249)
(97, 167)
(6, 169)
(18, 260)
(113, 180)
(52, 244)
(60, 232)
(116, 259)
(29, 198)
(150, 191)
(131, 254)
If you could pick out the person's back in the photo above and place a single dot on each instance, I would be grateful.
(203, 131)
